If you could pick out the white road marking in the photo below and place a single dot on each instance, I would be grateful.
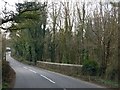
(32, 71)
(25, 67)
(47, 78)
(40, 75)
(29, 69)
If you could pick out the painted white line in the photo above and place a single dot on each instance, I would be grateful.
(47, 78)
(32, 71)
(29, 69)
(25, 67)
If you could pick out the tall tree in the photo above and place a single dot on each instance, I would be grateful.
(31, 31)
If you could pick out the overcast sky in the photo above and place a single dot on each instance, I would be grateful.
(11, 3)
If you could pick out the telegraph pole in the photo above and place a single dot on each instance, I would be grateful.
(119, 43)
(0, 58)
(4, 46)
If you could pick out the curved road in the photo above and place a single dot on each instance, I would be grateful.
(32, 77)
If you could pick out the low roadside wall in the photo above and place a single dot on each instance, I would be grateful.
(69, 69)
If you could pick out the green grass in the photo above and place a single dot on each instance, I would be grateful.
(4, 86)
(23, 61)
(0, 86)
(110, 83)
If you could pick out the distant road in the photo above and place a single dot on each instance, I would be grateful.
(32, 77)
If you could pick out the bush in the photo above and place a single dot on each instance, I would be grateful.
(90, 68)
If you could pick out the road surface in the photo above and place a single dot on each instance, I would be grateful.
(32, 77)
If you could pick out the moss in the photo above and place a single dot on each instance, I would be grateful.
(8, 75)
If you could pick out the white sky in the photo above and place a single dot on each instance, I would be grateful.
(11, 3)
